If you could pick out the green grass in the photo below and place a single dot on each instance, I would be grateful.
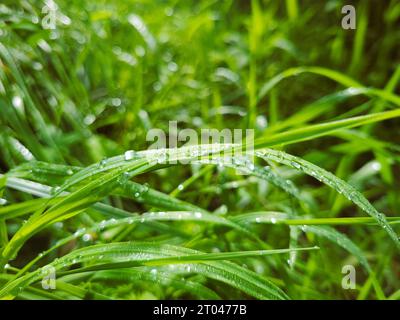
(80, 191)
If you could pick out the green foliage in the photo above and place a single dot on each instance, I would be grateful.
(80, 191)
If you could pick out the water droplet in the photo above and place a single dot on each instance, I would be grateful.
(172, 66)
(169, 11)
(295, 164)
(70, 172)
(221, 210)
(102, 224)
(157, 86)
(37, 66)
(17, 102)
(235, 184)
(261, 122)
(116, 102)
(35, 20)
(313, 173)
(198, 215)
(87, 237)
(2, 201)
(129, 155)
(153, 272)
(181, 187)
(353, 90)
(376, 166)
(353, 196)
(289, 183)
(273, 220)
(123, 178)
(140, 51)
(102, 163)
(44, 45)
(59, 225)
(89, 119)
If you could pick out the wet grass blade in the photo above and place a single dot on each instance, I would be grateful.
(332, 181)
(136, 254)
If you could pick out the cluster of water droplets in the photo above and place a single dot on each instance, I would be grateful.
(266, 219)
(140, 190)
(332, 181)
